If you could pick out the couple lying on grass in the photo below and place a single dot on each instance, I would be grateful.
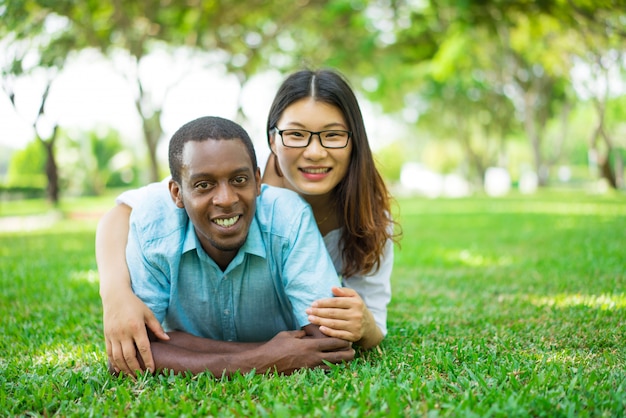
(237, 272)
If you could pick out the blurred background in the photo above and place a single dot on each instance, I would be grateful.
(459, 97)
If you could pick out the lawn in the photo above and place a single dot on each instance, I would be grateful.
(502, 307)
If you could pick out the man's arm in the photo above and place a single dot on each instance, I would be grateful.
(286, 352)
(205, 345)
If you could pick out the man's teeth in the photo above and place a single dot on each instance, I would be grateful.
(315, 170)
(227, 222)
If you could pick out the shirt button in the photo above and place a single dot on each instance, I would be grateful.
(226, 312)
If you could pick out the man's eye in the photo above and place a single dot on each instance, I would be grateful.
(202, 185)
(240, 180)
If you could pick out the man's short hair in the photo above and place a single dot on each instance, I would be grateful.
(202, 129)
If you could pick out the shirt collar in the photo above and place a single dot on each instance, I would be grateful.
(253, 245)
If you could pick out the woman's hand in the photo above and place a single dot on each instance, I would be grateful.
(125, 320)
(346, 316)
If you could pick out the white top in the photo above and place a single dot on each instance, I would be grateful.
(374, 288)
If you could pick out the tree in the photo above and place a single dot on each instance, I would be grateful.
(521, 50)
(240, 36)
(606, 63)
(36, 44)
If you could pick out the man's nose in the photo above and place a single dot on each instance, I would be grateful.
(225, 195)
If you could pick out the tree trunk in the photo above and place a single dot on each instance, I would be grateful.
(619, 168)
(607, 171)
(52, 170)
(152, 131)
(152, 155)
(532, 132)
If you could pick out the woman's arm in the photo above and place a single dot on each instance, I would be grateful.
(124, 316)
(358, 312)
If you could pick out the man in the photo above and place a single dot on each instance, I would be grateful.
(241, 271)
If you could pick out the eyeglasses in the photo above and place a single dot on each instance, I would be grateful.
(301, 138)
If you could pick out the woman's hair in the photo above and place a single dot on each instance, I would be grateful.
(361, 197)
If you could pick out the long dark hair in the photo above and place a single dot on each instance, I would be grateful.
(363, 201)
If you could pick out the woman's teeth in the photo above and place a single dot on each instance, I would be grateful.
(315, 170)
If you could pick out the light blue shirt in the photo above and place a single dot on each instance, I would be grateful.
(280, 270)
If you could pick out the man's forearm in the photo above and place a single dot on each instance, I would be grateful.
(286, 352)
(205, 345)
(180, 360)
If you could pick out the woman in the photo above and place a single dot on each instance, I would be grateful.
(320, 150)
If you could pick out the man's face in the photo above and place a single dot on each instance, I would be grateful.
(218, 191)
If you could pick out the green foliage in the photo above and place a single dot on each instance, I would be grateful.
(480, 73)
(389, 160)
(616, 119)
(442, 156)
(27, 167)
(5, 159)
(493, 314)
(95, 160)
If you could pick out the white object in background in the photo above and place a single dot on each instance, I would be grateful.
(414, 177)
(455, 185)
(528, 182)
(497, 181)
(565, 174)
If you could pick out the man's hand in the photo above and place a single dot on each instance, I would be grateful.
(345, 316)
(289, 351)
(125, 320)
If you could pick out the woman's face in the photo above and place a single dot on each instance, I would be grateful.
(313, 170)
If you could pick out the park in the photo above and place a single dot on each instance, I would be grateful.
(499, 131)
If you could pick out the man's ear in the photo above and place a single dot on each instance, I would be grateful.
(257, 178)
(177, 193)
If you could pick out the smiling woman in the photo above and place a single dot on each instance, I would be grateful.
(312, 164)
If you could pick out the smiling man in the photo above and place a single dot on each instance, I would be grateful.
(232, 285)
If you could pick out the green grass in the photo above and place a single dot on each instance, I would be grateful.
(501, 307)
(67, 205)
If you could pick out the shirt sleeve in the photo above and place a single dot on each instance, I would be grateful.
(375, 288)
(134, 197)
(148, 279)
(308, 271)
